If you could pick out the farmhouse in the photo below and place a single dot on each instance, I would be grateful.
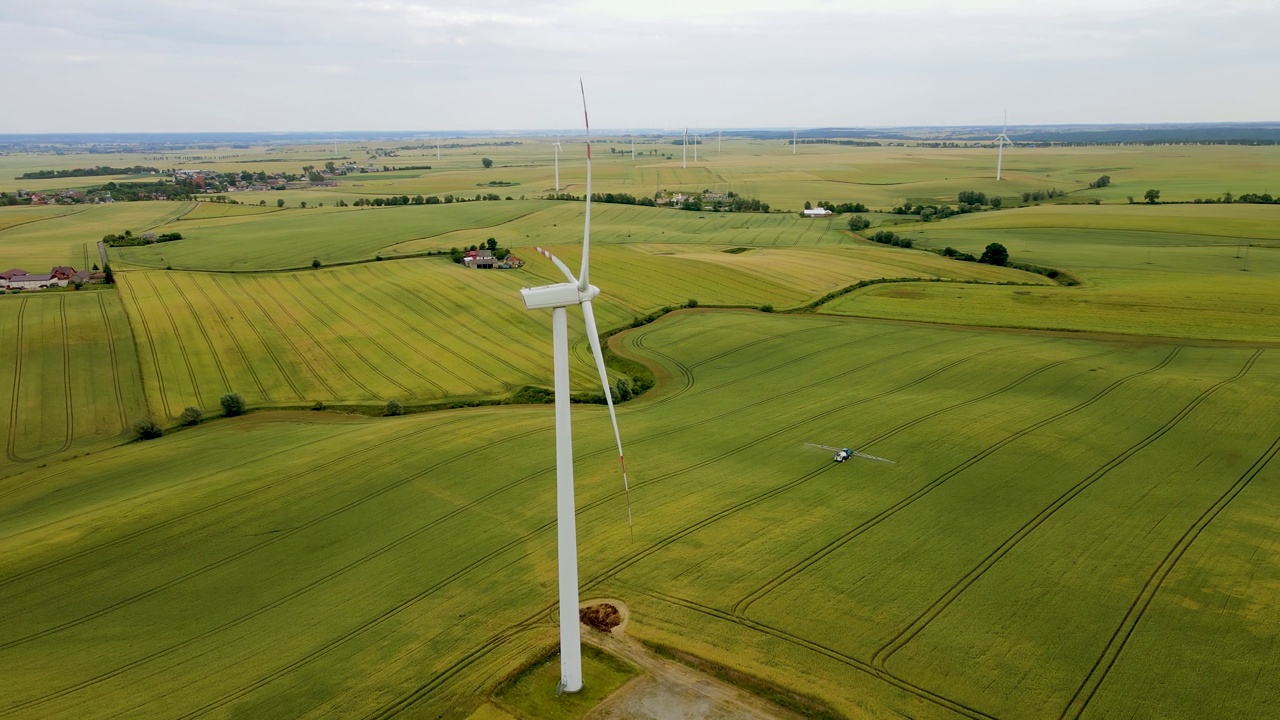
(34, 282)
(19, 279)
(817, 212)
(512, 261)
(480, 259)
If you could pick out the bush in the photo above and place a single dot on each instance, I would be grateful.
(319, 405)
(766, 308)
(393, 408)
(315, 264)
(691, 303)
(191, 415)
(232, 404)
(148, 429)
(857, 222)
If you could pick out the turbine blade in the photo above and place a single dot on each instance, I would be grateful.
(593, 337)
(586, 227)
(563, 268)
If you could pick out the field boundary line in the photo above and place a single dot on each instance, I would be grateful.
(1137, 610)
(916, 626)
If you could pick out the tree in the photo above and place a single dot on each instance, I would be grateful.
(315, 264)
(147, 429)
(808, 205)
(486, 162)
(108, 277)
(1152, 196)
(623, 388)
(393, 408)
(191, 415)
(692, 303)
(996, 202)
(994, 254)
(280, 202)
(857, 222)
(1101, 182)
(303, 203)
(232, 404)
(492, 244)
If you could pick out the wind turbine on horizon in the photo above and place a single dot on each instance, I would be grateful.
(793, 141)
(558, 297)
(696, 138)
(556, 146)
(1001, 140)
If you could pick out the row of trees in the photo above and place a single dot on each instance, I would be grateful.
(1252, 198)
(128, 239)
(87, 172)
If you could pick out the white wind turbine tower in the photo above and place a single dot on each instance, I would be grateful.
(695, 147)
(558, 297)
(1001, 140)
(556, 146)
(633, 148)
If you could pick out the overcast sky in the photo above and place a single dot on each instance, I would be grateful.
(316, 65)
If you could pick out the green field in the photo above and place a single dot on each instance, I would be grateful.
(69, 374)
(1079, 525)
(377, 567)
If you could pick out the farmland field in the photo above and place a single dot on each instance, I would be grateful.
(369, 567)
(69, 373)
(426, 330)
(1080, 523)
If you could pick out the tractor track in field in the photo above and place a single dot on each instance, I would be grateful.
(293, 595)
(309, 292)
(394, 356)
(213, 351)
(222, 320)
(342, 368)
(920, 692)
(527, 537)
(69, 432)
(12, 446)
(258, 334)
(1128, 624)
(424, 355)
(913, 629)
(285, 336)
(143, 531)
(744, 604)
(442, 329)
(115, 365)
(273, 539)
(177, 336)
(432, 304)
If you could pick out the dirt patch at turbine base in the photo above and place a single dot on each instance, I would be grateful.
(603, 617)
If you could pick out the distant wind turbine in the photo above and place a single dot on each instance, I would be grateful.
(695, 147)
(633, 148)
(557, 149)
(1001, 140)
(558, 297)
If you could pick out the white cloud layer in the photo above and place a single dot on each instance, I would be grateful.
(182, 65)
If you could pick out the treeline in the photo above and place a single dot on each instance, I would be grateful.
(418, 200)
(1250, 198)
(888, 237)
(87, 172)
(128, 192)
(128, 239)
(841, 208)
(825, 141)
(1038, 195)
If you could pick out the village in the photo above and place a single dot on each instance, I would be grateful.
(16, 279)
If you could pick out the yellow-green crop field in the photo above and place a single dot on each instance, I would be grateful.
(1079, 525)
(69, 373)
(1073, 528)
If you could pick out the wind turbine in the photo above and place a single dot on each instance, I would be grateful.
(633, 148)
(557, 148)
(1000, 141)
(695, 147)
(558, 297)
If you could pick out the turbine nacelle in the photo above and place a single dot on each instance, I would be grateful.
(558, 295)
